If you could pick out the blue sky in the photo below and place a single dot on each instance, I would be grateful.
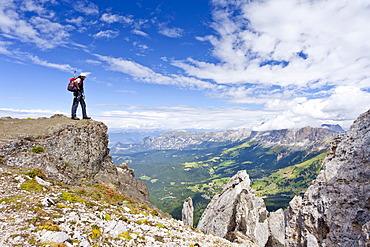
(195, 64)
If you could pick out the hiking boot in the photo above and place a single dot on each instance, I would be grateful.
(87, 117)
(75, 118)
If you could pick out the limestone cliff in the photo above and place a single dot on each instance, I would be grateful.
(335, 209)
(68, 151)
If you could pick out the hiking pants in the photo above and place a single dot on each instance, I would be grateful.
(78, 98)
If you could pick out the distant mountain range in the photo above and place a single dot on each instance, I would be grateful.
(187, 140)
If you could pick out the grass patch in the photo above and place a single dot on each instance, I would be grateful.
(69, 197)
(125, 235)
(37, 149)
(48, 226)
(36, 172)
(32, 185)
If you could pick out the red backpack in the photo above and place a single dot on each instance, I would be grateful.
(71, 87)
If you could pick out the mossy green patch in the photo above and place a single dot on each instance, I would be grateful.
(95, 233)
(125, 235)
(37, 149)
(8, 200)
(32, 185)
(36, 172)
(69, 197)
(48, 226)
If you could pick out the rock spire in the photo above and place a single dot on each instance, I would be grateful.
(238, 215)
(188, 212)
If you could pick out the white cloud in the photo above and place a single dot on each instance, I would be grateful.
(344, 105)
(180, 117)
(4, 48)
(41, 31)
(86, 7)
(93, 62)
(302, 59)
(332, 34)
(108, 34)
(25, 56)
(146, 74)
(23, 113)
(174, 32)
(37, 60)
(77, 21)
(112, 18)
(140, 33)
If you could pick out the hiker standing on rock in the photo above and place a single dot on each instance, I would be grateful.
(79, 97)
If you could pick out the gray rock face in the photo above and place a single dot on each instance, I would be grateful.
(238, 215)
(335, 209)
(188, 212)
(70, 152)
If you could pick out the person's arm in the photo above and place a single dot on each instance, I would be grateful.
(76, 83)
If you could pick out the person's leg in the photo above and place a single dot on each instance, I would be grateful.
(74, 104)
(83, 106)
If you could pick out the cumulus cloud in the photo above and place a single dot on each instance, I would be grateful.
(108, 34)
(174, 32)
(35, 29)
(300, 59)
(287, 43)
(343, 106)
(112, 18)
(86, 7)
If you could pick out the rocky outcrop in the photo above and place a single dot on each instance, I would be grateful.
(335, 209)
(188, 213)
(68, 151)
(238, 215)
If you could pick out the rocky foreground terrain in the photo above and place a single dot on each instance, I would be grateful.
(35, 211)
(334, 211)
(59, 187)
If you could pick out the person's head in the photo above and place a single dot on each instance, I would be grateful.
(82, 75)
